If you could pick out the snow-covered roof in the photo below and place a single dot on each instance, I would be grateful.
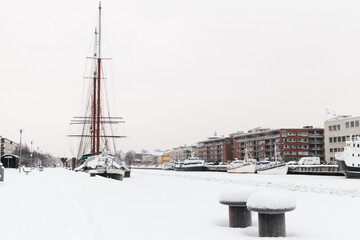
(10, 155)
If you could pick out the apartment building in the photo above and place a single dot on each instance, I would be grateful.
(7, 146)
(291, 143)
(337, 130)
(164, 158)
(183, 152)
(216, 149)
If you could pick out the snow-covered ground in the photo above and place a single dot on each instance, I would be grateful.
(154, 204)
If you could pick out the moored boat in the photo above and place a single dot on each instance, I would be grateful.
(349, 160)
(105, 165)
(272, 168)
(191, 164)
(98, 134)
(248, 165)
(169, 166)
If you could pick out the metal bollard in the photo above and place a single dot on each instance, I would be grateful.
(272, 225)
(271, 208)
(2, 170)
(239, 214)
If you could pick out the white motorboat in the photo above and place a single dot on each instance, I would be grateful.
(248, 165)
(191, 164)
(272, 168)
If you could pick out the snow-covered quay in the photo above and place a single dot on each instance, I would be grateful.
(60, 204)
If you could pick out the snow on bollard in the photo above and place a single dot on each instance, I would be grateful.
(271, 208)
(239, 215)
(1, 172)
(93, 173)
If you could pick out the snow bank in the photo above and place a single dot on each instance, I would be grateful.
(233, 196)
(271, 200)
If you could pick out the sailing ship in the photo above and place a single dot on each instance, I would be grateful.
(273, 168)
(349, 160)
(248, 165)
(95, 150)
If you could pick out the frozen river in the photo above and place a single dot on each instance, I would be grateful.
(153, 204)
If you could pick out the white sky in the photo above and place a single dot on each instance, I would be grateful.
(183, 69)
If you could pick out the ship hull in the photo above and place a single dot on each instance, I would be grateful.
(273, 170)
(349, 172)
(192, 168)
(117, 174)
(243, 168)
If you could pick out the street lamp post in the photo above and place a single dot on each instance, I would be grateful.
(20, 151)
(38, 160)
(31, 156)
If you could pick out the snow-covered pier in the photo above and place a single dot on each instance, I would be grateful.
(61, 204)
(316, 170)
(293, 169)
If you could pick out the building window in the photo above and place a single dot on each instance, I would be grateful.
(357, 123)
(331, 150)
(347, 124)
(352, 124)
(338, 127)
(330, 128)
(334, 139)
(330, 139)
(339, 139)
(343, 138)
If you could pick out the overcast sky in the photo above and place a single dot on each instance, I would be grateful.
(183, 69)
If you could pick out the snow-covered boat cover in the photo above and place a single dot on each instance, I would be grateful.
(101, 161)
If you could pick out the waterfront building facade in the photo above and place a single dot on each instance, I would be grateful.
(7, 146)
(148, 158)
(291, 143)
(183, 152)
(164, 158)
(337, 130)
(216, 149)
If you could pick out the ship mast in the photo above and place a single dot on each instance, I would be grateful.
(98, 88)
(93, 133)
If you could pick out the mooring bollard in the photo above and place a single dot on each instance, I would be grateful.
(271, 208)
(93, 173)
(239, 214)
(2, 170)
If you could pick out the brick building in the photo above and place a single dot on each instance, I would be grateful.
(291, 143)
(216, 149)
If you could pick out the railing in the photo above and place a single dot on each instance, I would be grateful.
(316, 135)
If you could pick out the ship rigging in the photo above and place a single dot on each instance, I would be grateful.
(96, 128)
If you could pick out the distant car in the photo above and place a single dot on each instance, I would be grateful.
(309, 161)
